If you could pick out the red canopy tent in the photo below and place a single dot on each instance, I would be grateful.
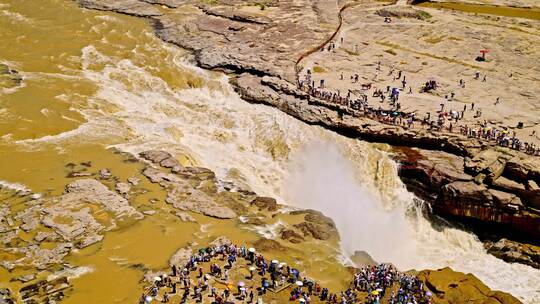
(484, 53)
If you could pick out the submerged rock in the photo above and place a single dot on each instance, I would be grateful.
(105, 174)
(185, 217)
(9, 78)
(134, 181)
(123, 188)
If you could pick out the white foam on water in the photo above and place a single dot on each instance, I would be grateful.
(70, 119)
(17, 187)
(7, 91)
(45, 75)
(71, 273)
(270, 231)
(94, 131)
(15, 17)
(45, 112)
(205, 227)
(108, 18)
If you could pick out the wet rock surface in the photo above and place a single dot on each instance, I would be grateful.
(185, 217)
(316, 225)
(9, 78)
(265, 203)
(362, 258)
(497, 204)
(515, 252)
(76, 219)
(451, 287)
(6, 296)
(45, 291)
(185, 189)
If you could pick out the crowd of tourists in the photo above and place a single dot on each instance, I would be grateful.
(356, 101)
(377, 280)
(193, 284)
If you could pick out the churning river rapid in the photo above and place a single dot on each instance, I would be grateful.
(94, 82)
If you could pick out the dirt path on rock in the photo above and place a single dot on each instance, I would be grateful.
(297, 67)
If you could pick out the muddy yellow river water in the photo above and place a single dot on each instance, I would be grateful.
(527, 13)
(98, 86)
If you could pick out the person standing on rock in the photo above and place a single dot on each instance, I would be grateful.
(166, 297)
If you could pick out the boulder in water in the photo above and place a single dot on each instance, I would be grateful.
(316, 225)
(265, 203)
(155, 156)
(185, 217)
(515, 252)
(362, 259)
